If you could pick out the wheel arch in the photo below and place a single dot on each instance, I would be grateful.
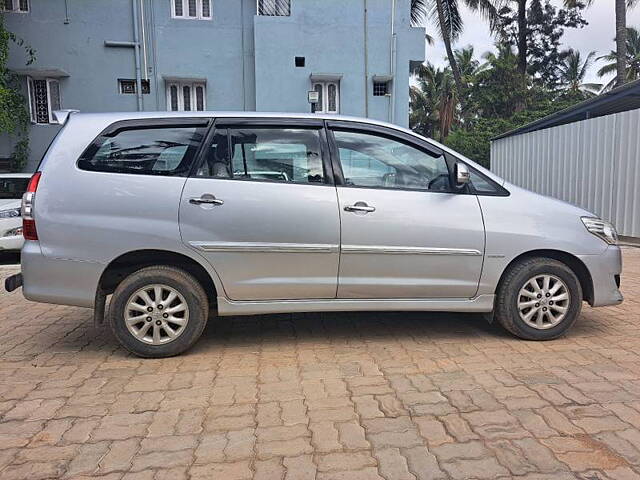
(132, 261)
(574, 263)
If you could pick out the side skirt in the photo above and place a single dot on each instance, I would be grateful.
(480, 304)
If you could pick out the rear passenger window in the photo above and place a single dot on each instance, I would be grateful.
(288, 155)
(164, 150)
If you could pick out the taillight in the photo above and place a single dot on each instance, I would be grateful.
(28, 222)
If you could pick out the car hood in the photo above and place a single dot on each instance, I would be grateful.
(8, 203)
(549, 205)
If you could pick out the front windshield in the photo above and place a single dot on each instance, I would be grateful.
(13, 188)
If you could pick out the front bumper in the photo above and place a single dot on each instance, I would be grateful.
(605, 270)
(14, 242)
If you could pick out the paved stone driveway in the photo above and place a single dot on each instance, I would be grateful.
(335, 396)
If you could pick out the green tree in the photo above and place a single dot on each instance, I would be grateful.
(632, 63)
(14, 117)
(621, 7)
(497, 89)
(572, 72)
(537, 38)
(445, 14)
(433, 102)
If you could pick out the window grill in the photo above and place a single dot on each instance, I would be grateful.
(380, 89)
(274, 8)
(128, 86)
(41, 101)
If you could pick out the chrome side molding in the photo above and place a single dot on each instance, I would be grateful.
(265, 247)
(375, 249)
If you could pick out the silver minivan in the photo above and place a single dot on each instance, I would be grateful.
(174, 217)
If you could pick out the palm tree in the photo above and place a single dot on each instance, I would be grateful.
(433, 102)
(621, 34)
(573, 72)
(467, 63)
(632, 62)
(446, 16)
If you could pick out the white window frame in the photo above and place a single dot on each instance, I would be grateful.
(16, 7)
(185, 10)
(192, 85)
(324, 108)
(32, 113)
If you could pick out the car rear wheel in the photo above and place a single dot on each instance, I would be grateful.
(158, 312)
(538, 299)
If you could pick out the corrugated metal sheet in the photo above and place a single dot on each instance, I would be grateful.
(594, 164)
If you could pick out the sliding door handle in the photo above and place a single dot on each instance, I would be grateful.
(359, 207)
(206, 199)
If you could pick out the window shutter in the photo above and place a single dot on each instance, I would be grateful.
(186, 90)
(173, 96)
(320, 105)
(32, 100)
(332, 94)
(178, 9)
(199, 98)
(54, 94)
(193, 10)
(206, 8)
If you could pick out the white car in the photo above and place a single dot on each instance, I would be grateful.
(12, 186)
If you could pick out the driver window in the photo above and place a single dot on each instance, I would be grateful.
(371, 161)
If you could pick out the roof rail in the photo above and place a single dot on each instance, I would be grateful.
(60, 117)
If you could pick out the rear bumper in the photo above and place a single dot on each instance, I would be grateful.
(605, 270)
(55, 280)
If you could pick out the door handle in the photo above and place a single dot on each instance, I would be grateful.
(359, 207)
(206, 199)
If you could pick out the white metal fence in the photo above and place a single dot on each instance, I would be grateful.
(592, 163)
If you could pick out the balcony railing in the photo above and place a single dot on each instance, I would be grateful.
(274, 8)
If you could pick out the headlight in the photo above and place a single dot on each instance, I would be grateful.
(602, 229)
(13, 232)
(13, 212)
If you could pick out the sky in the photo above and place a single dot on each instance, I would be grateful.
(596, 36)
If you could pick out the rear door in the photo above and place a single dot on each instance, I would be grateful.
(263, 210)
(405, 232)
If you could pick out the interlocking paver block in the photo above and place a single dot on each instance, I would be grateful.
(344, 396)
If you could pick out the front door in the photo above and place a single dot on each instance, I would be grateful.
(405, 232)
(262, 211)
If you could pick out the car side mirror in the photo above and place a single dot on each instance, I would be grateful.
(463, 177)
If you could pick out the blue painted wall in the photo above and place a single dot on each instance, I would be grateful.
(246, 60)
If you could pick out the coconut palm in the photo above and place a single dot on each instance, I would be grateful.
(467, 63)
(573, 71)
(632, 63)
(621, 34)
(433, 102)
(445, 14)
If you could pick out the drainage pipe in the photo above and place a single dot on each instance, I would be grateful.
(136, 49)
(392, 56)
(366, 61)
(144, 41)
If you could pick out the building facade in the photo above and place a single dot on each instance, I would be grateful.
(225, 55)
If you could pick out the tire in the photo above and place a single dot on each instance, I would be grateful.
(515, 293)
(184, 314)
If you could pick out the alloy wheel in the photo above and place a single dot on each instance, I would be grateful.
(156, 314)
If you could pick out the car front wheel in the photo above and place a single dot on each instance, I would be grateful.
(538, 299)
(158, 312)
